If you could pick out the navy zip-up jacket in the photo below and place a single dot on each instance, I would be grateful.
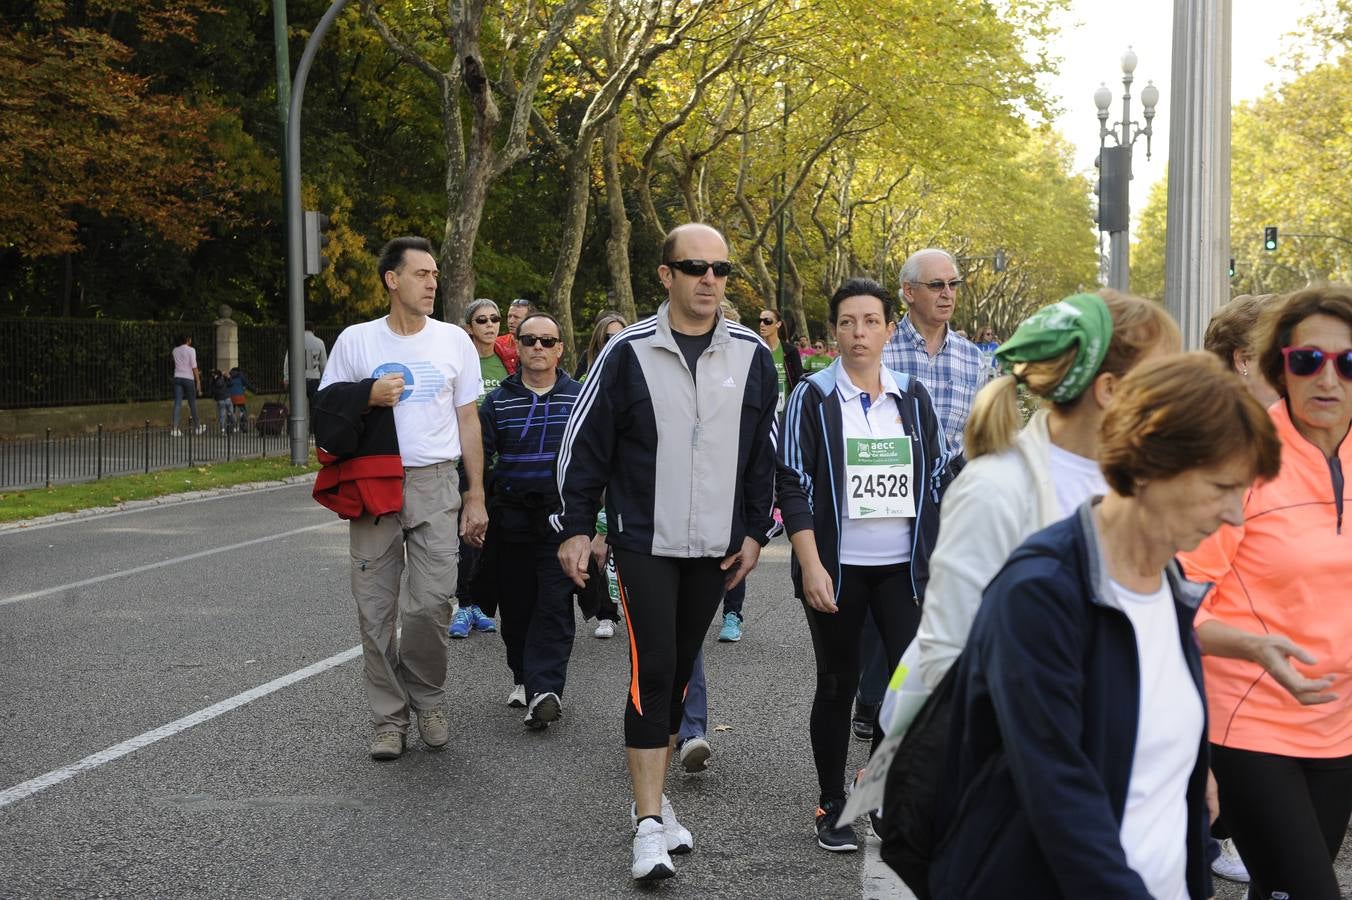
(1045, 710)
(811, 475)
(522, 431)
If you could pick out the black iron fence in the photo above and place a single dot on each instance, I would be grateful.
(40, 462)
(77, 362)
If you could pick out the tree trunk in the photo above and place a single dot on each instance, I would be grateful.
(577, 173)
(617, 244)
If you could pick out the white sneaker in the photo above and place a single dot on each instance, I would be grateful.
(544, 708)
(517, 698)
(678, 837)
(174, 432)
(1228, 865)
(201, 429)
(605, 629)
(651, 860)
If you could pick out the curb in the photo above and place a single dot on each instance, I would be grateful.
(165, 500)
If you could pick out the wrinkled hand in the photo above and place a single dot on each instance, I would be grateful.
(573, 555)
(738, 565)
(1273, 653)
(599, 550)
(473, 519)
(818, 590)
(387, 390)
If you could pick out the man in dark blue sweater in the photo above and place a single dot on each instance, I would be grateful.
(523, 422)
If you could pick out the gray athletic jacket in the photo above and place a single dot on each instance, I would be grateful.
(687, 465)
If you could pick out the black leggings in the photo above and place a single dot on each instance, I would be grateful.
(669, 604)
(886, 590)
(1288, 816)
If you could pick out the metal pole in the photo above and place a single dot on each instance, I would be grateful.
(47, 459)
(1198, 231)
(295, 252)
(98, 475)
(783, 189)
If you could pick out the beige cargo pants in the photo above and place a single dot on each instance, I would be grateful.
(404, 657)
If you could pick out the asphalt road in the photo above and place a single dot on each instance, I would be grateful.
(181, 715)
(114, 626)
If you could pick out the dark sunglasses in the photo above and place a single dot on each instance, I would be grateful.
(938, 285)
(484, 320)
(1304, 362)
(765, 321)
(696, 268)
(530, 340)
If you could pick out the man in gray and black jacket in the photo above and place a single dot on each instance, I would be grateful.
(676, 426)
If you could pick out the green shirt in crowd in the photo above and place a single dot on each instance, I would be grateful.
(493, 371)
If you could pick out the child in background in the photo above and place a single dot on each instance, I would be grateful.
(238, 386)
(218, 388)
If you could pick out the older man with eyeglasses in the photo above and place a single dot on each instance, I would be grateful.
(952, 369)
(924, 347)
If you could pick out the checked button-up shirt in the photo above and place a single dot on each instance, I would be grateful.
(952, 376)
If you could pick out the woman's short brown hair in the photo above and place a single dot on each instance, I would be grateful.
(1282, 317)
(1232, 327)
(1183, 412)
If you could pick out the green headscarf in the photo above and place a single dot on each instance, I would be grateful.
(1081, 321)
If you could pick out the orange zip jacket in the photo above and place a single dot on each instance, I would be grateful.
(1286, 570)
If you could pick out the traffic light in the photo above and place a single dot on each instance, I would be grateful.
(316, 239)
(1270, 238)
(1232, 267)
(1001, 261)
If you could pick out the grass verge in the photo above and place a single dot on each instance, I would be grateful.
(18, 505)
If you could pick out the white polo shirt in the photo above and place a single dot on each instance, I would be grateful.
(871, 542)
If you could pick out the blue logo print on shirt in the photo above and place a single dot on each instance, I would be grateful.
(394, 368)
(422, 388)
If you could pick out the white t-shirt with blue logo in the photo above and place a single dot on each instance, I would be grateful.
(441, 372)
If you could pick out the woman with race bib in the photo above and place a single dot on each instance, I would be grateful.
(863, 462)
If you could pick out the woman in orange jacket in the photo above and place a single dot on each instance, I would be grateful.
(1277, 628)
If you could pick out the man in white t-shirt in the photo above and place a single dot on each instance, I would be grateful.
(428, 371)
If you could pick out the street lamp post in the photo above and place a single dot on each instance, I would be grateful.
(1115, 165)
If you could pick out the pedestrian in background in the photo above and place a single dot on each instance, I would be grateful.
(187, 383)
(238, 386)
(316, 358)
(219, 389)
(1230, 335)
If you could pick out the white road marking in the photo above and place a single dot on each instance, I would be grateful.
(56, 776)
(47, 592)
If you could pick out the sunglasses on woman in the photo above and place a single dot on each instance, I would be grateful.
(766, 320)
(484, 320)
(530, 340)
(1303, 362)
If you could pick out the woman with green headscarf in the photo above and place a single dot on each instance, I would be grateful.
(1070, 354)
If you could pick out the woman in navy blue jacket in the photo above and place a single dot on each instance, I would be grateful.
(862, 464)
(1079, 723)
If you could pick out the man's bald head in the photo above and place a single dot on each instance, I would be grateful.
(670, 246)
